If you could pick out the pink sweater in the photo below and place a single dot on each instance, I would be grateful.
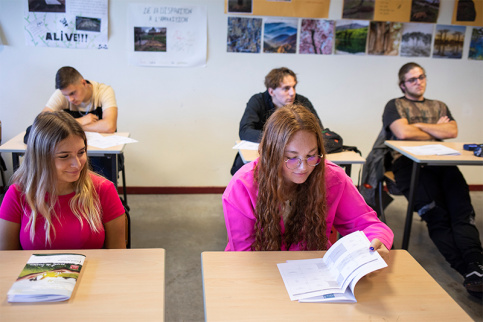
(346, 209)
(68, 231)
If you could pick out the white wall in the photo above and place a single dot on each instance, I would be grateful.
(186, 119)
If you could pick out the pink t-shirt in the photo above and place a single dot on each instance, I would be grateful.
(68, 231)
(346, 209)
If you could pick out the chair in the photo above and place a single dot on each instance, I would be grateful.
(383, 196)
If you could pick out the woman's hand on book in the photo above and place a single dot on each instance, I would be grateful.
(378, 246)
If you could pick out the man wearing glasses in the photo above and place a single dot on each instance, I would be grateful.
(442, 197)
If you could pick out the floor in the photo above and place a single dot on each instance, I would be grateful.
(186, 225)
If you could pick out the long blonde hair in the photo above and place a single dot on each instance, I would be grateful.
(306, 222)
(36, 177)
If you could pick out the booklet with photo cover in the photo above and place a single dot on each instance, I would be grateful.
(333, 277)
(47, 278)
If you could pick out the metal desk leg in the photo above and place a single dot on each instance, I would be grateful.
(348, 168)
(409, 214)
(15, 160)
(113, 175)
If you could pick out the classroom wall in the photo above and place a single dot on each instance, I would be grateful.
(186, 119)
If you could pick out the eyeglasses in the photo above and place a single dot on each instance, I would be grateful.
(413, 80)
(294, 163)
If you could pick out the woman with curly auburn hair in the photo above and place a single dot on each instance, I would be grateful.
(291, 196)
(55, 201)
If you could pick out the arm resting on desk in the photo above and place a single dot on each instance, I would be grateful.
(90, 122)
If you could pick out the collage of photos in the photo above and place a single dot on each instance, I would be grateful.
(356, 33)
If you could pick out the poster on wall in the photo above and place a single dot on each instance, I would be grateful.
(384, 38)
(476, 44)
(416, 40)
(351, 37)
(392, 10)
(280, 35)
(280, 8)
(358, 9)
(167, 35)
(76, 24)
(448, 41)
(244, 35)
(468, 13)
(316, 36)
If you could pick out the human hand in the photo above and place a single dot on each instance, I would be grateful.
(377, 245)
(443, 119)
(88, 119)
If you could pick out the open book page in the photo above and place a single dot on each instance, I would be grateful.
(332, 276)
(47, 278)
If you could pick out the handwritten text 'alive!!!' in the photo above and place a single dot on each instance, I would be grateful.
(66, 36)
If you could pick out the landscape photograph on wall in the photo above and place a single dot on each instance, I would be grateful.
(244, 35)
(384, 38)
(424, 10)
(448, 41)
(149, 39)
(358, 9)
(351, 36)
(416, 40)
(476, 44)
(316, 36)
(280, 35)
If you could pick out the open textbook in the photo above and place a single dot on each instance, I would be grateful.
(47, 278)
(333, 277)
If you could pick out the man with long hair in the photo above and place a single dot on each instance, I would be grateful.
(280, 84)
(442, 196)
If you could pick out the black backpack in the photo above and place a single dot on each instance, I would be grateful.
(333, 143)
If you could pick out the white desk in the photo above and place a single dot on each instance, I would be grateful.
(465, 158)
(18, 148)
(247, 286)
(114, 285)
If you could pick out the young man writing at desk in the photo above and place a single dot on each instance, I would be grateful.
(442, 196)
(280, 84)
(92, 104)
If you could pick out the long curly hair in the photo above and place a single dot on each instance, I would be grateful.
(36, 177)
(306, 222)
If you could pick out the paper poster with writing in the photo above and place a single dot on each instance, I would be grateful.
(76, 24)
(172, 35)
(392, 10)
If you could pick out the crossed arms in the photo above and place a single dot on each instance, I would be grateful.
(443, 129)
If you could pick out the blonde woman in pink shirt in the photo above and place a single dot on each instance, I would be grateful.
(55, 201)
(291, 196)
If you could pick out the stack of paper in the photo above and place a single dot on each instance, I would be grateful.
(333, 277)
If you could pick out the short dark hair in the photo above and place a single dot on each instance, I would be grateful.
(404, 70)
(66, 76)
(276, 76)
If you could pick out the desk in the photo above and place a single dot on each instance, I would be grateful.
(346, 158)
(247, 286)
(18, 148)
(466, 158)
(115, 284)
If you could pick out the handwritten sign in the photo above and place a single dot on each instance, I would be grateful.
(167, 35)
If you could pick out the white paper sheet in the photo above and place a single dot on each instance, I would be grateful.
(246, 145)
(430, 149)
